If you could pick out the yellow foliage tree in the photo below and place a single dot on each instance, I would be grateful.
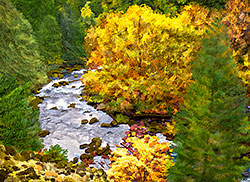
(149, 161)
(237, 19)
(144, 58)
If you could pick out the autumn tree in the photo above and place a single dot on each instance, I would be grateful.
(237, 19)
(212, 122)
(145, 62)
(19, 53)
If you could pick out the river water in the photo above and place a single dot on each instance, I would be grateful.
(64, 122)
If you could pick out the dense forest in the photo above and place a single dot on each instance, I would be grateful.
(176, 67)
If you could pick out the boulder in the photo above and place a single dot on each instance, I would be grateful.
(25, 155)
(75, 160)
(84, 121)
(83, 146)
(53, 108)
(44, 133)
(93, 120)
(9, 150)
(106, 125)
(56, 85)
(114, 123)
(73, 105)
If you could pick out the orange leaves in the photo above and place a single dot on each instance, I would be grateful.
(237, 20)
(144, 58)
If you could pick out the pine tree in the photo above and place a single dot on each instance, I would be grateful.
(211, 124)
(72, 35)
(49, 39)
(43, 15)
(18, 49)
(19, 126)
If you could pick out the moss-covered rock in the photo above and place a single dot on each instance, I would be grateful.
(36, 169)
(114, 123)
(73, 105)
(75, 160)
(56, 85)
(106, 125)
(37, 100)
(85, 156)
(83, 146)
(2, 148)
(9, 150)
(25, 155)
(45, 158)
(44, 133)
(18, 157)
(84, 121)
(93, 120)
(54, 108)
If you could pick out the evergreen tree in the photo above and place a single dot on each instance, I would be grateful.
(211, 125)
(19, 126)
(43, 15)
(73, 34)
(49, 39)
(18, 49)
(36, 10)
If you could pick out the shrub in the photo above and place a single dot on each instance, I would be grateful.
(147, 162)
(56, 153)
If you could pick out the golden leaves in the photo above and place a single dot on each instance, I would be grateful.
(143, 56)
(147, 163)
(237, 21)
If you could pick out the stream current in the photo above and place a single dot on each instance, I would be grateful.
(64, 122)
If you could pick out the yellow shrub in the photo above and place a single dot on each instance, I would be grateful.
(147, 163)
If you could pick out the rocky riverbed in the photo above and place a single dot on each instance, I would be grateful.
(62, 113)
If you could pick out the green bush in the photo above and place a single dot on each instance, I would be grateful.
(56, 153)
(19, 126)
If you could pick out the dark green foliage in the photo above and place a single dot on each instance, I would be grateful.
(42, 15)
(211, 124)
(49, 39)
(56, 153)
(218, 4)
(76, 6)
(18, 49)
(73, 34)
(19, 126)
(36, 10)
(162, 6)
(170, 7)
